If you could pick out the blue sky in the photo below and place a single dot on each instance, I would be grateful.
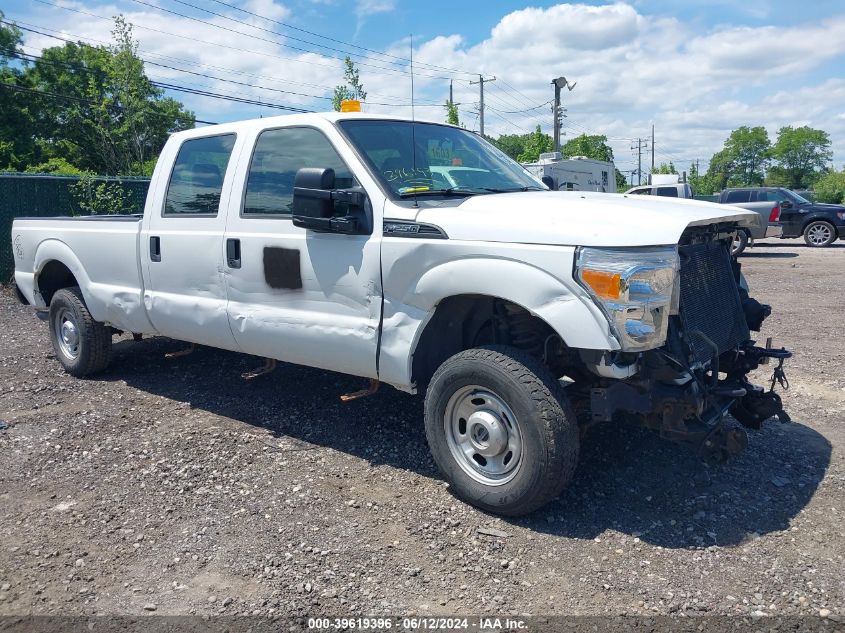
(695, 69)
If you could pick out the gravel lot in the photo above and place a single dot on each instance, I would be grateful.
(174, 487)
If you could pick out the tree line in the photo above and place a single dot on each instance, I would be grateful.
(78, 108)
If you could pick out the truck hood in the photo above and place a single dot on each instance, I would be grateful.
(820, 206)
(577, 218)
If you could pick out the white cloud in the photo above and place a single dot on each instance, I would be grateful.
(632, 69)
(370, 7)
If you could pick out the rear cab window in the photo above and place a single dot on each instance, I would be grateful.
(196, 182)
(738, 196)
(669, 192)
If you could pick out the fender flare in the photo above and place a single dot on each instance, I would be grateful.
(55, 250)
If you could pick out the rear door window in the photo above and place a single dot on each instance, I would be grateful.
(196, 181)
(670, 192)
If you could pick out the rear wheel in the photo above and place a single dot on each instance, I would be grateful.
(501, 429)
(82, 345)
(740, 243)
(819, 233)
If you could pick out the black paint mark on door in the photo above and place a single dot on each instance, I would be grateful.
(281, 268)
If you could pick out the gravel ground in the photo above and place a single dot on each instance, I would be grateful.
(174, 487)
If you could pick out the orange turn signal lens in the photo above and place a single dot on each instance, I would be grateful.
(604, 283)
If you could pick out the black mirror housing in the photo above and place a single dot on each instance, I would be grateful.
(312, 187)
(318, 206)
(549, 182)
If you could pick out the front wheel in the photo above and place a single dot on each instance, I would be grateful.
(501, 430)
(819, 233)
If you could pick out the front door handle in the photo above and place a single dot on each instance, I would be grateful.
(233, 252)
(155, 248)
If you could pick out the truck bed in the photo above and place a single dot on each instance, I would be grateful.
(101, 252)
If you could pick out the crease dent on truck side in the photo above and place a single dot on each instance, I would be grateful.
(522, 315)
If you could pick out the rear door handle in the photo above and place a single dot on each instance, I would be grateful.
(155, 248)
(233, 252)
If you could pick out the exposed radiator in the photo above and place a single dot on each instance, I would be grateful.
(710, 300)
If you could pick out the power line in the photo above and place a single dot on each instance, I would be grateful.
(61, 97)
(223, 79)
(331, 39)
(165, 57)
(176, 88)
(264, 39)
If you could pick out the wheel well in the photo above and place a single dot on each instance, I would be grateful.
(53, 277)
(466, 321)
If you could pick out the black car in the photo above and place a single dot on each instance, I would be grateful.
(820, 224)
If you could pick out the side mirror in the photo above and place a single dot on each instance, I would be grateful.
(786, 204)
(312, 197)
(317, 205)
(549, 182)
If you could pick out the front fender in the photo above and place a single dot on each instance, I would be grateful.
(564, 306)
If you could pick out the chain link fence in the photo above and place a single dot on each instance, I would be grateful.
(45, 195)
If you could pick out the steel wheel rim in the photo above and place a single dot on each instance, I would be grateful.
(483, 435)
(819, 233)
(66, 330)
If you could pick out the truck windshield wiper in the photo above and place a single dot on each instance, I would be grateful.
(451, 191)
(492, 190)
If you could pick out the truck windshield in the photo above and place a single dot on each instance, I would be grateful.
(426, 159)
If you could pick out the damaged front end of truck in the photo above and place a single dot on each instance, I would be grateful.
(685, 388)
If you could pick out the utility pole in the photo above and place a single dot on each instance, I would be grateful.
(559, 83)
(652, 147)
(640, 144)
(480, 83)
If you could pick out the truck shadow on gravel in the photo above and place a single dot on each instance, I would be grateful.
(628, 479)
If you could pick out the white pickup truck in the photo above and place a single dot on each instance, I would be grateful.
(522, 314)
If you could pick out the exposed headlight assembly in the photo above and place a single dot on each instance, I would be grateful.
(636, 288)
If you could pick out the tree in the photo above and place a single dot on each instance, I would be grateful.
(98, 110)
(590, 145)
(352, 89)
(452, 113)
(512, 144)
(749, 150)
(830, 187)
(802, 153)
(17, 144)
(663, 168)
(537, 143)
(621, 182)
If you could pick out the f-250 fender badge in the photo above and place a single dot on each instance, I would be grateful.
(413, 229)
(19, 246)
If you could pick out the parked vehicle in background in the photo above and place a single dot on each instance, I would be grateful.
(325, 240)
(574, 174)
(819, 224)
(768, 210)
(666, 185)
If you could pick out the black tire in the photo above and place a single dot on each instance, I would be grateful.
(819, 233)
(546, 424)
(82, 345)
(740, 243)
